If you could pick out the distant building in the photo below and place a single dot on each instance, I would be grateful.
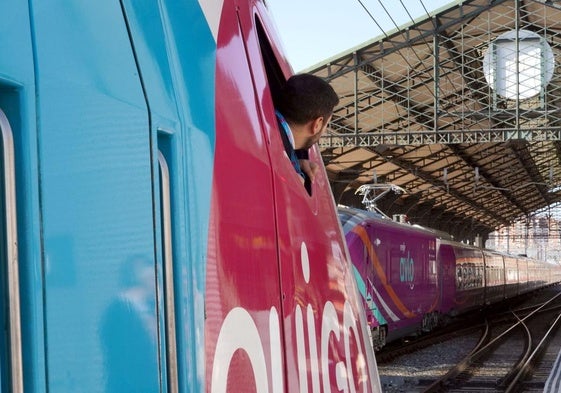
(538, 237)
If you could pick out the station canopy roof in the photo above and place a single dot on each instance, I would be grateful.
(461, 109)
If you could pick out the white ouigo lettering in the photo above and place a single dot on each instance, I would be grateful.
(239, 331)
(349, 327)
(313, 346)
(276, 351)
(301, 351)
(329, 325)
(312, 349)
(341, 377)
(305, 261)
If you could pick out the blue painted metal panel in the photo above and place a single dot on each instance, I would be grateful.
(178, 73)
(96, 199)
(17, 100)
(193, 71)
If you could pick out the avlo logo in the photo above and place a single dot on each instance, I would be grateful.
(406, 269)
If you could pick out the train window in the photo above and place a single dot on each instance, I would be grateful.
(275, 76)
(480, 276)
(275, 79)
(432, 272)
(469, 276)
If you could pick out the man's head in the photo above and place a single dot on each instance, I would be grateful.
(307, 103)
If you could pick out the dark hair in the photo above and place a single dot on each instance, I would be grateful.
(306, 97)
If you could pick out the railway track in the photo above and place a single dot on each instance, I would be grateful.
(412, 345)
(505, 355)
(514, 352)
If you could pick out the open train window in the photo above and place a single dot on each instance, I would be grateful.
(275, 76)
(276, 80)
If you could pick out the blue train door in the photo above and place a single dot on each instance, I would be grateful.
(100, 254)
(17, 97)
(10, 338)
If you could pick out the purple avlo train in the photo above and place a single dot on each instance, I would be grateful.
(411, 278)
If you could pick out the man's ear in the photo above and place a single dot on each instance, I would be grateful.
(317, 125)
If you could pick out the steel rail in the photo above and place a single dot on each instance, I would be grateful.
(527, 364)
(478, 352)
(514, 372)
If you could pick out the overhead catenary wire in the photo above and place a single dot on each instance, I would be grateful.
(387, 37)
(411, 67)
(422, 37)
(407, 61)
(392, 19)
(423, 5)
